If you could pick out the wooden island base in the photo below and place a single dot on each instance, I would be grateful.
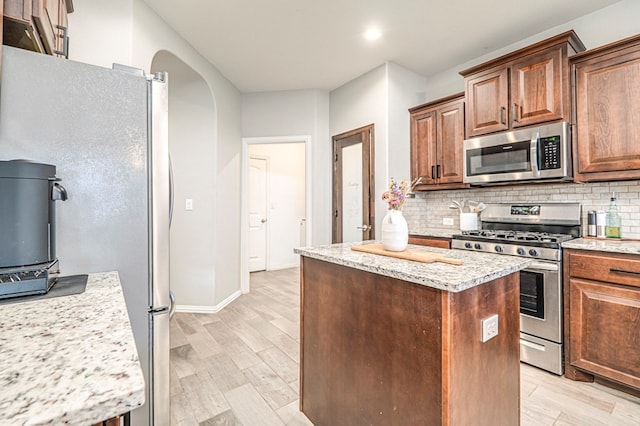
(377, 350)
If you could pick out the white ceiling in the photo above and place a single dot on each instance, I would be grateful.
(266, 45)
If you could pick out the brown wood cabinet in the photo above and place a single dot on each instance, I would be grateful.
(437, 134)
(602, 317)
(606, 141)
(37, 25)
(525, 87)
(439, 242)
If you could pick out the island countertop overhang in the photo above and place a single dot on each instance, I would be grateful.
(477, 268)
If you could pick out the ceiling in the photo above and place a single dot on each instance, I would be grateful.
(268, 45)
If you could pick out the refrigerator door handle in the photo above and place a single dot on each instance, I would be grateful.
(172, 304)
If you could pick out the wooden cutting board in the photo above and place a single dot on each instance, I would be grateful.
(408, 254)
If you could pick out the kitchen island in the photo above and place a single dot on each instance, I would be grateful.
(70, 359)
(394, 342)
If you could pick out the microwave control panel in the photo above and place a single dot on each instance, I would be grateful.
(549, 153)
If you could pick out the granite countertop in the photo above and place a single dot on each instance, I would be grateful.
(69, 359)
(601, 244)
(434, 232)
(477, 268)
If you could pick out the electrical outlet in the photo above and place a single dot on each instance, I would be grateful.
(188, 205)
(489, 328)
(447, 221)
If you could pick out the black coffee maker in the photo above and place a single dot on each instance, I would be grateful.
(28, 192)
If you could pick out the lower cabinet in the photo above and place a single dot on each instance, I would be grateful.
(430, 241)
(602, 317)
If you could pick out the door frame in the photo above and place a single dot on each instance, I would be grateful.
(368, 152)
(244, 186)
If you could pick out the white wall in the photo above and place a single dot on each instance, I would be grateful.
(132, 35)
(382, 97)
(285, 199)
(603, 26)
(295, 113)
(191, 144)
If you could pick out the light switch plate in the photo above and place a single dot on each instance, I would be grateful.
(489, 328)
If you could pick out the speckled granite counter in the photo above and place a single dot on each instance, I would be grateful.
(608, 245)
(478, 268)
(434, 232)
(69, 359)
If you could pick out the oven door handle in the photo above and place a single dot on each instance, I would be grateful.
(542, 266)
(534, 154)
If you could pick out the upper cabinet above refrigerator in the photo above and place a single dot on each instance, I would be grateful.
(37, 25)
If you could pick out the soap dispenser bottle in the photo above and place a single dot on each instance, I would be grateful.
(614, 221)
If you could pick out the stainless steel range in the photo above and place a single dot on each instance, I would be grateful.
(536, 231)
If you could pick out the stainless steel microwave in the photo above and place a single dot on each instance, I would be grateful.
(531, 154)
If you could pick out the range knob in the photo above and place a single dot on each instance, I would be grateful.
(521, 251)
(498, 249)
(477, 246)
(468, 245)
(533, 252)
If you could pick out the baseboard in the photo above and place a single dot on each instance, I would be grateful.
(285, 266)
(198, 309)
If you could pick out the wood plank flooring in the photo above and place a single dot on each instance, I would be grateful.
(240, 367)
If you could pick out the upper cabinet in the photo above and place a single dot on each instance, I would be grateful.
(437, 134)
(528, 86)
(37, 25)
(606, 140)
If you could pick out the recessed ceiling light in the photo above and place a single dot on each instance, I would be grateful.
(373, 34)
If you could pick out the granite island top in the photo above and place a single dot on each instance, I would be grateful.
(477, 268)
(69, 359)
(601, 244)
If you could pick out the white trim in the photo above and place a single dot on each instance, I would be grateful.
(244, 220)
(198, 309)
(284, 266)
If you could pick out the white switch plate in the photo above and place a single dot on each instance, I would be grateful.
(447, 221)
(188, 205)
(489, 328)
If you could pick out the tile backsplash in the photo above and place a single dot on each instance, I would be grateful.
(428, 209)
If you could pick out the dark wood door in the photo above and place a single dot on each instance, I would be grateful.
(353, 186)
(450, 131)
(423, 146)
(536, 88)
(607, 91)
(487, 100)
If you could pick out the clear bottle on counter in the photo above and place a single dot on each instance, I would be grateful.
(614, 220)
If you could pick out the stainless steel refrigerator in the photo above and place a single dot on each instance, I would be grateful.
(106, 132)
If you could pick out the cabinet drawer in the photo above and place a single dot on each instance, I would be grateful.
(444, 243)
(616, 269)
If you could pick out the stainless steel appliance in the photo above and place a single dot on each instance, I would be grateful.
(530, 154)
(28, 263)
(535, 231)
(106, 131)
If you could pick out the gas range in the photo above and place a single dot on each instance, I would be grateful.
(528, 230)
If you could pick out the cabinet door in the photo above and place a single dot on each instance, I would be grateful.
(46, 15)
(423, 146)
(536, 89)
(607, 117)
(487, 100)
(605, 330)
(450, 132)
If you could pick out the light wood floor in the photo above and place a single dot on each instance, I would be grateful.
(240, 367)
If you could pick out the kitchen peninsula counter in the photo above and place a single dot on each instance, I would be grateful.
(69, 359)
(386, 341)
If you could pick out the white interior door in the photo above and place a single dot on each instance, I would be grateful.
(257, 214)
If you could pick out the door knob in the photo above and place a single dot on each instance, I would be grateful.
(263, 220)
(364, 228)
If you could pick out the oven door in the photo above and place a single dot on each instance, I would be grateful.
(541, 301)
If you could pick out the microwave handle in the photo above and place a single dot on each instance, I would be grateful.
(534, 154)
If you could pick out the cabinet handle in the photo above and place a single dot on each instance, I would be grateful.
(502, 111)
(622, 271)
(515, 112)
(65, 42)
(433, 174)
(438, 171)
